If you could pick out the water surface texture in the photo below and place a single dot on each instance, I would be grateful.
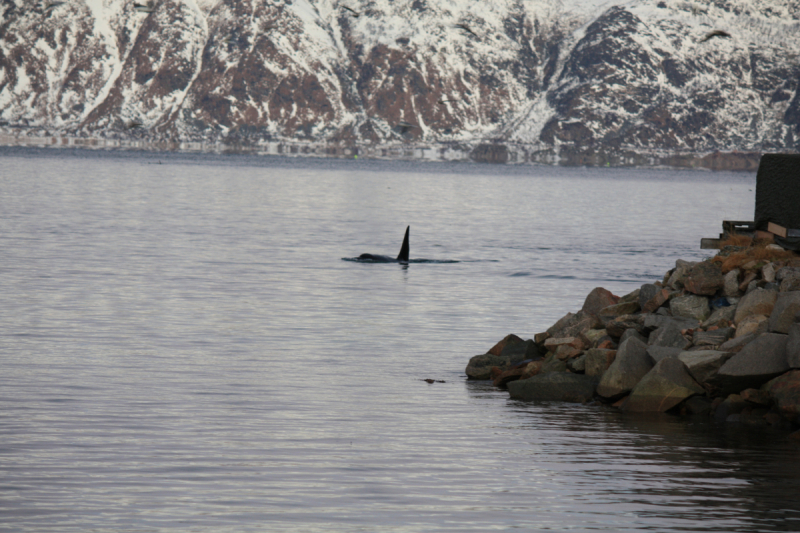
(183, 349)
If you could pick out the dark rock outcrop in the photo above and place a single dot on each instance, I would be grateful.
(554, 386)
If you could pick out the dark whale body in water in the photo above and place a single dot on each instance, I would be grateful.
(401, 258)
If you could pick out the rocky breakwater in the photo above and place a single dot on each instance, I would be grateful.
(718, 338)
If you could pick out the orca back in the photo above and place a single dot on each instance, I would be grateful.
(402, 257)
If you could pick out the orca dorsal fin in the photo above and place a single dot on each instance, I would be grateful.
(403, 256)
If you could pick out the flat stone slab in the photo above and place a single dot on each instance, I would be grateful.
(703, 365)
(665, 386)
(712, 338)
(758, 362)
(555, 386)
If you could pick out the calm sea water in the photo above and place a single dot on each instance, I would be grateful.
(184, 349)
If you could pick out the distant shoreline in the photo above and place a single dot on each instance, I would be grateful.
(496, 152)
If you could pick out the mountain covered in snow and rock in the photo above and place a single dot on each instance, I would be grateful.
(569, 78)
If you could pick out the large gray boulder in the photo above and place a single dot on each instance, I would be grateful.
(704, 278)
(480, 366)
(786, 307)
(793, 346)
(731, 287)
(555, 386)
(757, 302)
(630, 365)
(665, 386)
(758, 362)
(704, 364)
(669, 336)
(690, 306)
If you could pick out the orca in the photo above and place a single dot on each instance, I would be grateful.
(402, 257)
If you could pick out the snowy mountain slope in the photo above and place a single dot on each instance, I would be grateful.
(566, 76)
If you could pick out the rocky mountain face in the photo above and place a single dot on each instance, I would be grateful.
(576, 81)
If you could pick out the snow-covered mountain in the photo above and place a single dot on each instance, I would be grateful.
(570, 78)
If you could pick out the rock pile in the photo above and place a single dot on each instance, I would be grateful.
(719, 338)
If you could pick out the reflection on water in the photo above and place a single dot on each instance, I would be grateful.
(184, 349)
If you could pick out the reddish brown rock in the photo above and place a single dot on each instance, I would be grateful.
(774, 419)
(553, 344)
(756, 396)
(532, 368)
(502, 379)
(567, 352)
(495, 372)
(704, 278)
(657, 301)
(597, 300)
(607, 345)
(785, 392)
